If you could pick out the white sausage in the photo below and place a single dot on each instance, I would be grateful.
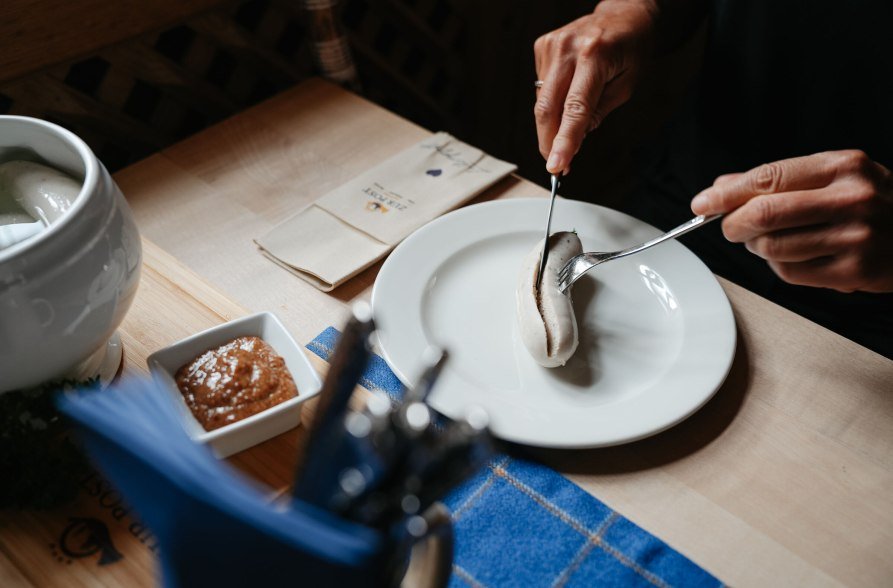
(546, 318)
(43, 192)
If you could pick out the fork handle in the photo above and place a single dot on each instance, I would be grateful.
(685, 227)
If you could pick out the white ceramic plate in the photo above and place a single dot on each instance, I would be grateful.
(657, 335)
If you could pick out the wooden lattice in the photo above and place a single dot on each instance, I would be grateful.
(410, 57)
(136, 97)
(463, 66)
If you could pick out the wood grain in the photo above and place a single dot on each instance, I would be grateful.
(783, 478)
(171, 303)
(205, 199)
(34, 35)
(789, 466)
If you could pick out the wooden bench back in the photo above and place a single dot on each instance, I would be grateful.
(35, 34)
(131, 77)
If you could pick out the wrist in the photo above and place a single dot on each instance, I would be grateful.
(629, 25)
(671, 22)
(677, 21)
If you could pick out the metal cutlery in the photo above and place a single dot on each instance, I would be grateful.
(386, 462)
(579, 265)
(387, 465)
(545, 256)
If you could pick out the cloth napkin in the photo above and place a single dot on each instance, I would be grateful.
(519, 523)
(355, 225)
(213, 526)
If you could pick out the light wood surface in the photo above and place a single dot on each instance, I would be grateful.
(784, 478)
(38, 33)
(205, 199)
(172, 302)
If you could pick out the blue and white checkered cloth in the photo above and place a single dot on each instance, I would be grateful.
(518, 523)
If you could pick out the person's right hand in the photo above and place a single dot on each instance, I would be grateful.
(588, 68)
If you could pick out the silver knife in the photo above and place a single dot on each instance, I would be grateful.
(539, 278)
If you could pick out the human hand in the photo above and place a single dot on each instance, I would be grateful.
(822, 220)
(588, 68)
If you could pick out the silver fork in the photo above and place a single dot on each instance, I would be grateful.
(580, 264)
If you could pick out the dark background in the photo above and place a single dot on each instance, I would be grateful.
(481, 84)
(463, 66)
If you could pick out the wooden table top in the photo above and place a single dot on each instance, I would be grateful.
(784, 477)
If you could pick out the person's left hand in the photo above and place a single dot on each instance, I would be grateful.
(822, 220)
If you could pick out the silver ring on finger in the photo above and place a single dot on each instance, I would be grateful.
(538, 84)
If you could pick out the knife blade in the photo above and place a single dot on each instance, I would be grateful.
(545, 256)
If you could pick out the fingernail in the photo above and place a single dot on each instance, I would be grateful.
(700, 203)
(554, 165)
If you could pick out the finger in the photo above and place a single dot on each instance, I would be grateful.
(544, 51)
(724, 179)
(798, 173)
(577, 117)
(549, 102)
(773, 212)
(837, 272)
(539, 55)
(856, 164)
(794, 245)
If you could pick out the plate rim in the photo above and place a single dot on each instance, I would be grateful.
(722, 369)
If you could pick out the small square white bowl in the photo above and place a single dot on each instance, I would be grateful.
(235, 437)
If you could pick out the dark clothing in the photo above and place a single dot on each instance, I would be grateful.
(780, 79)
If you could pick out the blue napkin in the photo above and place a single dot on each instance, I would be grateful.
(518, 523)
(213, 526)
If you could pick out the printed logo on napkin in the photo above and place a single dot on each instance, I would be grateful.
(382, 200)
(396, 197)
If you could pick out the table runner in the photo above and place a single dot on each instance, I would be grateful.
(521, 523)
